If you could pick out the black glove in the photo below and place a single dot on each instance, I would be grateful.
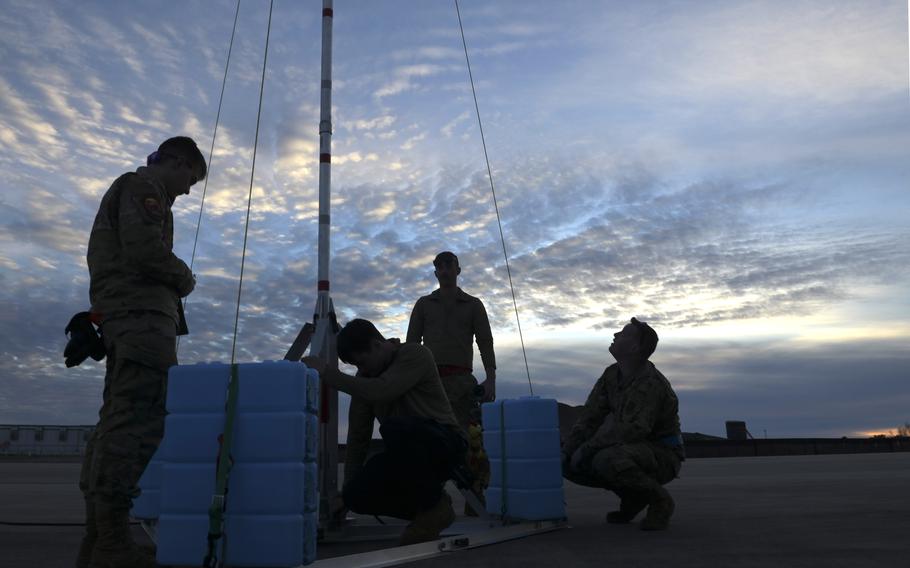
(187, 285)
(84, 341)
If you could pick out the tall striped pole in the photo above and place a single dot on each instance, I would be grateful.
(324, 317)
(325, 155)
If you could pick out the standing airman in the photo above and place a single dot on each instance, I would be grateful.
(447, 322)
(136, 286)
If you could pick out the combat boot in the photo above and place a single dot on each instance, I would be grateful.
(114, 545)
(660, 509)
(630, 505)
(428, 524)
(83, 559)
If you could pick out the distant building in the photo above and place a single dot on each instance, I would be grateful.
(17, 440)
(736, 430)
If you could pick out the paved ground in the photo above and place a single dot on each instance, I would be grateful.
(826, 511)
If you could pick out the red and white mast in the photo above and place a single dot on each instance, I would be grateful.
(323, 343)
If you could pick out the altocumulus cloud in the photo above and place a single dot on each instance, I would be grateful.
(697, 167)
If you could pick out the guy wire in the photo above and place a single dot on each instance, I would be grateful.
(495, 203)
(208, 173)
(249, 201)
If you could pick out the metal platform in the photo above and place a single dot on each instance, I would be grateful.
(459, 537)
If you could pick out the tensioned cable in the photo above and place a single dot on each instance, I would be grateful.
(222, 474)
(249, 202)
(48, 524)
(208, 174)
(495, 203)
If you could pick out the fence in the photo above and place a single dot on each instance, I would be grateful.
(793, 447)
(18, 440)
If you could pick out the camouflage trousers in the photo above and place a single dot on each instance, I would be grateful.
(628, 469)
(466, 407)
(141, 346)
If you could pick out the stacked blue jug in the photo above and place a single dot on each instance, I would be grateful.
(271, 514)
(521, 438)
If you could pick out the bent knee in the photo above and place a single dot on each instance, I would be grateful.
(610, 464)
(616, 460)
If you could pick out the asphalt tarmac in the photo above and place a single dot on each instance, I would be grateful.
(795, 511)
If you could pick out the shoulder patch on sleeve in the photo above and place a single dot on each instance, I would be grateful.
(146, 204)
(152, 206)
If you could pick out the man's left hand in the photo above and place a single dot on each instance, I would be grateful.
(565, 460)
(337, 507)
(315, 363)
(489, 386)
(579, 458)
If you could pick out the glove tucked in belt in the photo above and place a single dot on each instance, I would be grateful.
(84, 340)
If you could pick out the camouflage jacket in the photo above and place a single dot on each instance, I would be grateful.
(130, 258)
(642, 409)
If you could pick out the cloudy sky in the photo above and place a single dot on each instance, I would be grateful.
(735, 173)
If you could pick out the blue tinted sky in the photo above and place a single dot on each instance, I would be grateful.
(735, 173)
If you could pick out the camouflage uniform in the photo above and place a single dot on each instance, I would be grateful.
(140, 349)
(136, 283)
(628, 434)
(448, 328)
(130, 256)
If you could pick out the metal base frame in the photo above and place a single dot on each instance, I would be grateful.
(473, 537)
(462, 535)
(150, 526)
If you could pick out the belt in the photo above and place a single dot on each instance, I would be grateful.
(451, 370)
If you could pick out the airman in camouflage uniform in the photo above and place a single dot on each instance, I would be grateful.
(628, 438)
(135, 290)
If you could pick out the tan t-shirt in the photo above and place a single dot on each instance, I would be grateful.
(448, 328)
(410, 386)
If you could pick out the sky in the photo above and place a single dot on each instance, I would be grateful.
(734, 173)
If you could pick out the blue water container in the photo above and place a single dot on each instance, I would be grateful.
(148, 504)
(272, 499)
(521, 438)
